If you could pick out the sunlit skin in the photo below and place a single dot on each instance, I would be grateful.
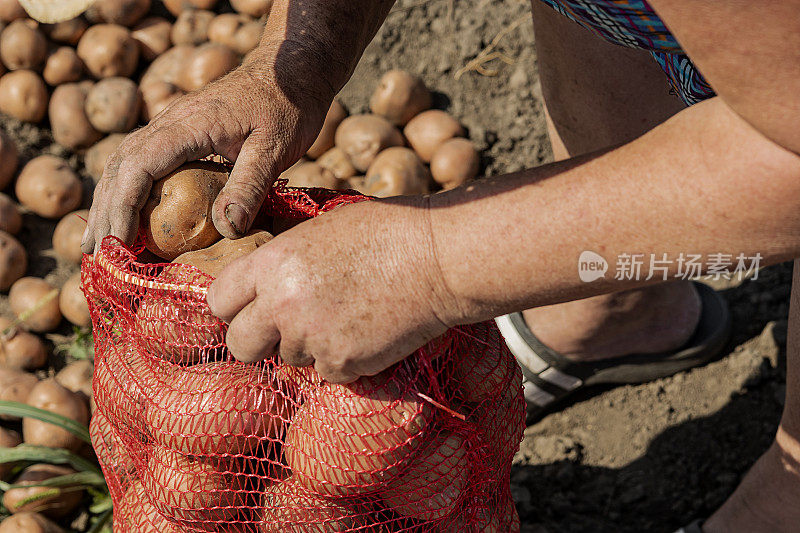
(359, 288)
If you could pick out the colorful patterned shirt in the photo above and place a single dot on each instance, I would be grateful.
(633, 23)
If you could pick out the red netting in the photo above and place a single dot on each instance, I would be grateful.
(191, 440)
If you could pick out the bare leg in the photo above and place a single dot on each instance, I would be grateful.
(599, 95)
(768, 499)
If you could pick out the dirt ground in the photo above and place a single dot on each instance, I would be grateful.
(631, 459)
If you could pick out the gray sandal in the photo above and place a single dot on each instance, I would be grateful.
(549, 377)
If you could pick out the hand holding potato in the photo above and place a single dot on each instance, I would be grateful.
(242, 118)
(352, 291)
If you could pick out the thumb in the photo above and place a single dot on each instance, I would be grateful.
(240, 200)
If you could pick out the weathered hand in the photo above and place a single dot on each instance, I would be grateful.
(352, 291)
(242, 117)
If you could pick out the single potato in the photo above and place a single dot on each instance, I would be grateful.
(68, 234)
(35, 302)
(72, 302)
(108, 50)
(70, 124)
(51, 396)
(23, 95)
(63, 66)
(23, 46)
(177, 216)
(49, 187)
(400, 96)
(19, 349)
(363, 137)
(113, 105)
(55, 506)
(428, 130)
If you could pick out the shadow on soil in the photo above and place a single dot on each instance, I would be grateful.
(689, 469)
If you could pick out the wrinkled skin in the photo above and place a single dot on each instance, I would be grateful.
(318, 296)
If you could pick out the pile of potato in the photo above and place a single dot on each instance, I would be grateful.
(402, 147)
(101, 74)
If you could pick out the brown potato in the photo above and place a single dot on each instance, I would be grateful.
(178, 332)
(139, 515)
(156, 96)
(68, 119)
(153, 36)
(96, 156)
(108, 50)
(113, 105)
(191, 27)
(122, 376)
(400, 97)
(10, 218)
(8, 439)
(209, 62)
(356, 183)
(23, 46)
(49, 187)
(122, 12)
(177, 216)
(67, 32)
(23, 95)
(10, 10)
(27, 522)
(480, 376)
(192, 414)
(310, 174)
(68, 234)
(37, 300)
(291, 508)
(159, 84)
(195, 492)
(455, 162)
(118, 460)
(428, 130)
(15, 386)
(396, 171)
(51, 396)
(345, 439)
(77, 377)
(238, 32)
(363, 137)
(13, 260)
(177, 6)
(72, 302)
(432, 487)
(57, 505)
(9, 159)
(326, 138)
(336, 161)
(19, 349)
(254, 8)
(215, 258)
(63, 66)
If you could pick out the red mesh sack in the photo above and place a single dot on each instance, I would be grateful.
(191, 440)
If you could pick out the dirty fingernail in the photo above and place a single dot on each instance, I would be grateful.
(237, 217)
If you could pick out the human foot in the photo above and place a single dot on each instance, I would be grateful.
(767, 499)
(650, 320)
